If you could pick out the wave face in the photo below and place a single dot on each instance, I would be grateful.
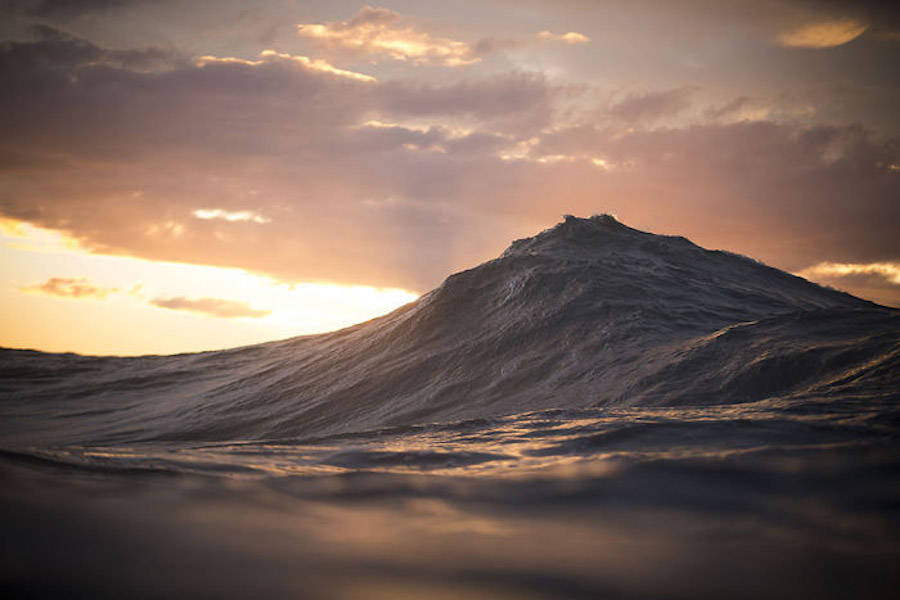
(588, 313)
(598, 412)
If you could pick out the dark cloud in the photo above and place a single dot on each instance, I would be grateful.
(57, 51)
(215, 307)
(75, 8)
(70, 288)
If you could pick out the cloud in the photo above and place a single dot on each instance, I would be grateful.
(824, 34)
(517, 99)
(729, 108)
(571, 37)
(886, 271)
(231, 217)
(396, 183)
(787, 194)
(825, 23)
(70, 288)
(380, 32)
(75, 8)
(270, 56)
(796, 23)
(879, 281)
(650, 106)
(55, 49)
(376, 31)
(214, 307)
(127, 155)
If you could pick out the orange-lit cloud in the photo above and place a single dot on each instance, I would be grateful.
(70, 288)
(878, 281)
(271, 56)
(887, 271)
(397, 182)
(214, 307)
(572, 37)
(231, 216)
(822, 34)
(379, 31)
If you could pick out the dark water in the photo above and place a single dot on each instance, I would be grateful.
(599, 413)
(765, 499)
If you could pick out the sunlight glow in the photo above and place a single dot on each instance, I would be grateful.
(95, 303)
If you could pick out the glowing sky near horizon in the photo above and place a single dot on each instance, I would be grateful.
(131, 306)
(179, 175)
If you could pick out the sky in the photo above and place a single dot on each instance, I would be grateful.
(189, 175)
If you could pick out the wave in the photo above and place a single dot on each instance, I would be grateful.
(588, 313)
(598, 412)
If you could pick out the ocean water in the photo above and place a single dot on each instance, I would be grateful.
(598, 413)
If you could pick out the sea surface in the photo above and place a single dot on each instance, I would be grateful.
(598, 413)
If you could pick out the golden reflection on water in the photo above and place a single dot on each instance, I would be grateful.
(520, 446)
(594, 503)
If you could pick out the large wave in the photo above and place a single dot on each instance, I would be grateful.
(589, 313)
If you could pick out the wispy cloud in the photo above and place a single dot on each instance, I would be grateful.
(70, 288)
(379, 31)
(231, 216)
(572, 37)
(215, 307)
(653, 105)
(728, 109)
(271, 56)
(877, 281)
(888, 272)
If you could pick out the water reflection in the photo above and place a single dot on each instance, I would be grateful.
(739, 501)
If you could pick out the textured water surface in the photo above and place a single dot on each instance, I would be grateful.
(598, 413)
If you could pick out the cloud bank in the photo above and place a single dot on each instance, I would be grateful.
(309, 170)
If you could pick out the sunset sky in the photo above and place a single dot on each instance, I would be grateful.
(189, 175)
